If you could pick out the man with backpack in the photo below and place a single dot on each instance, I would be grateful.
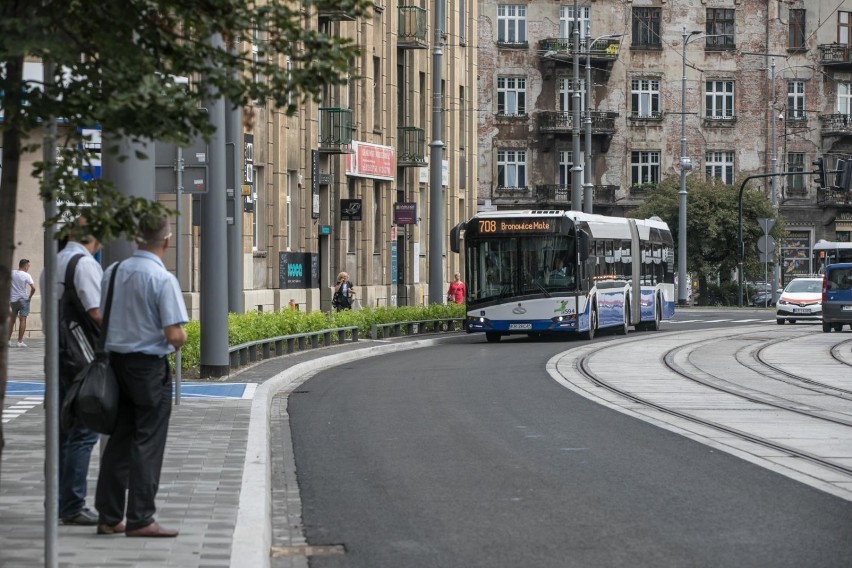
(79, 292)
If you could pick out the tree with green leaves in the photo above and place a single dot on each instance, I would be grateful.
(712, 225)
(116, 66)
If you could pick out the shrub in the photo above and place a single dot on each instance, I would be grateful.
(254, 326)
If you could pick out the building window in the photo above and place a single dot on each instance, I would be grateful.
(511, 96)
(512, 168)
(795, 100)
(566, 95)
(796, 163)
(289, 210)
(256, 39)
(720, 165)
(645, 98)
(720, 100)
(377, 217)
(844, 98)
(566, 162)
(462, 22)
(644, 167)
(511, 23)
(720, 28)
(567, 20)
(462, 120)
(796, 27)
(844, 27)
(646, 28)
(377, 93)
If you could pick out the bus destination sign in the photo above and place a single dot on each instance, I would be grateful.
(514, 226)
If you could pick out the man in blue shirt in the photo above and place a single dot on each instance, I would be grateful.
(145, 326)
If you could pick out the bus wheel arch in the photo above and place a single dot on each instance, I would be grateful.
(625, 325)
(593, 323)
(492, 336)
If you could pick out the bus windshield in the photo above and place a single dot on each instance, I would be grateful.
(520, 266)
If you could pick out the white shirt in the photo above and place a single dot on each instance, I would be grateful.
(20, 282)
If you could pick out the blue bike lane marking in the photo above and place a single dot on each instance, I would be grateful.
(187, 390)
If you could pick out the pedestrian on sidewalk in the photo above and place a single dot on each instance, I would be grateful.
(20, 300)
(456, 291)
(76, 442)
(146, 325)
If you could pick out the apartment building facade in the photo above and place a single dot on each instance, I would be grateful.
(344, 183)
(762, 79)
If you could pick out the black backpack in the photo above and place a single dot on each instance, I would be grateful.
(78, 333)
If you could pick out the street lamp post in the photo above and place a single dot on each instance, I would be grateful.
(588, 187)
(576, 168)
(685, 165)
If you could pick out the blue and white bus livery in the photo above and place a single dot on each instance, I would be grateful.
(536, 272)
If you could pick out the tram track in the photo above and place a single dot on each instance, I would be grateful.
(676, 371)
(796, 379)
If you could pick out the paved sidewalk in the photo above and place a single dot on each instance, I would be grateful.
(199, 488)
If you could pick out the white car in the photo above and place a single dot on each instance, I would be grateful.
(800, 300)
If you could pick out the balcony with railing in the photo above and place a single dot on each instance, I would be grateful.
(412, 147)
(412, 28)
(561, 49)
(835, 55)
(836, 124)
(548, 196)
(833, 196)
(335, 130)
(562, 122)
(331, 15)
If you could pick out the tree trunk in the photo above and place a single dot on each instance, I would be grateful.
(12, 128)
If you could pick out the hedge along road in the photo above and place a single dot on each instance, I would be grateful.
(469, 454)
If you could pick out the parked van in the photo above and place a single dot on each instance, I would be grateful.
(837, 297)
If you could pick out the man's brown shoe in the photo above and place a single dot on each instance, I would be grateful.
(104, 528)
(153, 530)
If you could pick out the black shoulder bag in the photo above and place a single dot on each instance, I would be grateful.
(93, 396)
(78, 333)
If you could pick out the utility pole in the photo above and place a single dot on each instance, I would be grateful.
(214, 250)
(685, 166)
(233, 131)
(774, 170)
(588, 188)
(437, 209)
(576, 168)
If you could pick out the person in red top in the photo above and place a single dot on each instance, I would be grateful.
(456, 291)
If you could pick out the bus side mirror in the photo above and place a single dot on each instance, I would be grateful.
(455, 237)
(583, 244)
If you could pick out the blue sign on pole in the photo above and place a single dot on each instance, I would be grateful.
(393, 262)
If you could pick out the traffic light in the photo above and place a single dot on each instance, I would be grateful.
(820, 172)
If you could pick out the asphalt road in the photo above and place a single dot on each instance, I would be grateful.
(468, 454)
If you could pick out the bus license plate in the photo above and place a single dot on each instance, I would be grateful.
(846, 308)
(520, 326)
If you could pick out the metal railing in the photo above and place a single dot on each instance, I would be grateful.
(263, 349)
(407, 328)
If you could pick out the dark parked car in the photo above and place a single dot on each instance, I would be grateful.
(837, 297)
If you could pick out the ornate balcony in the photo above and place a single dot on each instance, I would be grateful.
(836, 124)
(835, 55)
(335, 130)
(335, 16)
(548, 196)
(561, 122)
(561, 49)
(412, 28)
(412, 147)
(832, 196)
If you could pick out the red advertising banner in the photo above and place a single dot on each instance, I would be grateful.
(371, 161)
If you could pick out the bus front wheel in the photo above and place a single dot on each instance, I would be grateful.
(492, 336)
(593, 324)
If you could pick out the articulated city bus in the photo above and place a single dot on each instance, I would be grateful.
(536, 272)
(830, 252)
